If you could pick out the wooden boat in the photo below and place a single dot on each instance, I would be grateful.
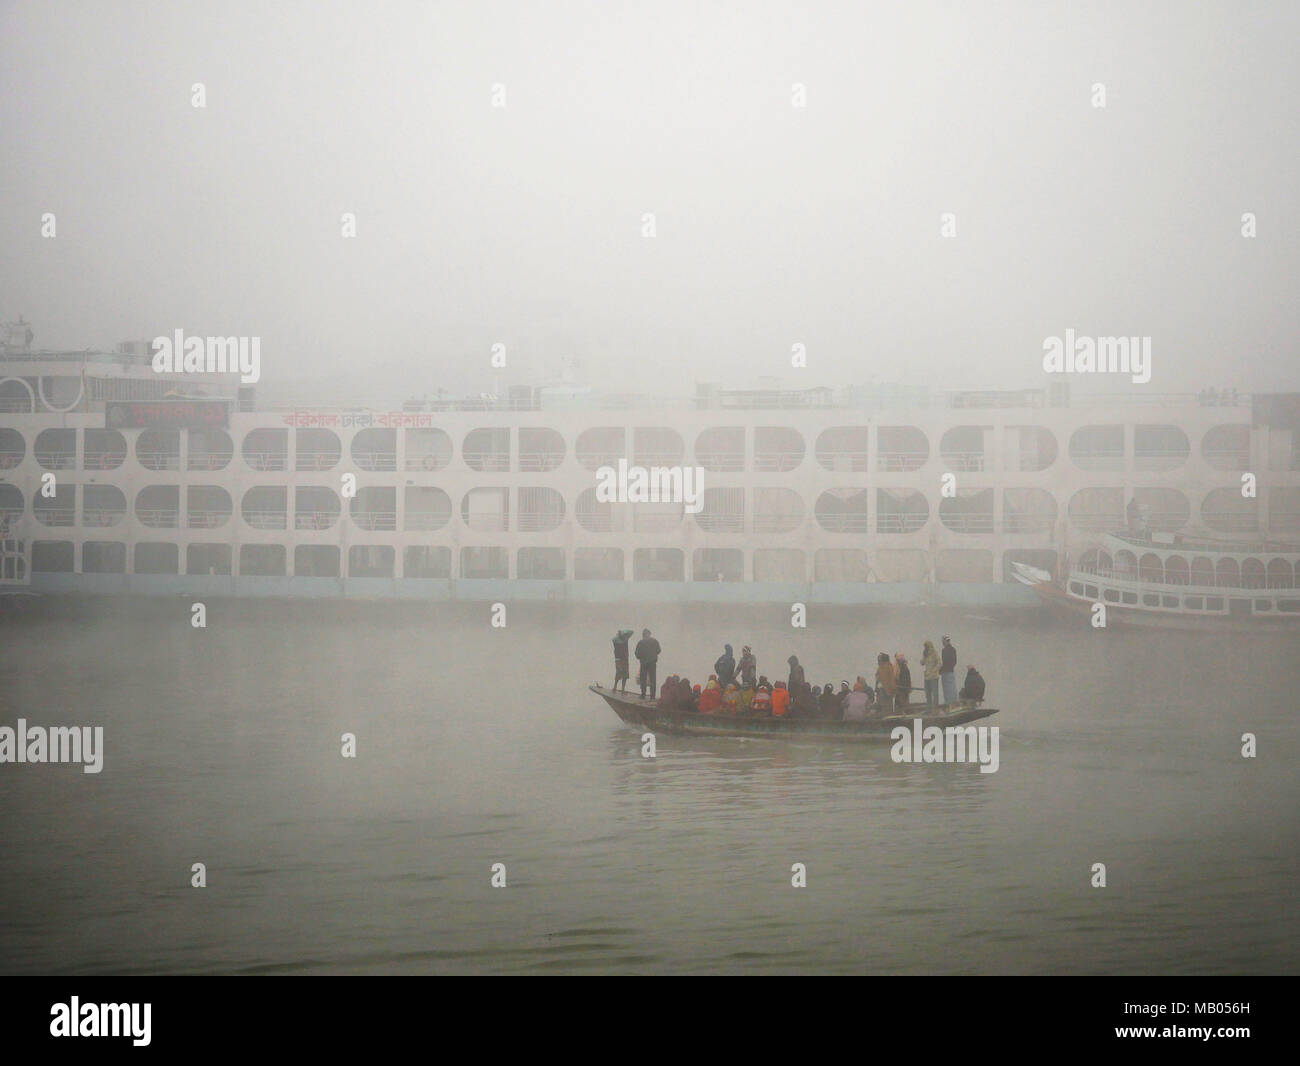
(646, 714)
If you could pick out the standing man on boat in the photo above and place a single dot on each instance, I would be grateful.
(647, 654)
(620, 658)
(947, 664)
(725, 667)
(796, 675)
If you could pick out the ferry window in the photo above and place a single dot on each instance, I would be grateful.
(1291, 606)
(1110, 596)
(1090, 591)
(1130, 597)
(1169, 601)
(1076, 587)
(1263, 605)
(1150, 599)
(1214, 603)
(1195, 603)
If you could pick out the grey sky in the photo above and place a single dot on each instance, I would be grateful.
(776, 225)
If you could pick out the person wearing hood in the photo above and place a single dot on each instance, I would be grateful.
(856, 705)
(731, 699)
(747, 667)
(647, 654)
(829, 704)
(711, 697)
(803, 701)
(685, 696)
(973, 689)
(668, 694)
(886, 683)
(796, 677)
(902, 680)
(930, 669)
(620, 658)
(762, 702)
(725, 667)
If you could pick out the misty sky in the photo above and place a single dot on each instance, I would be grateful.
(776, 225)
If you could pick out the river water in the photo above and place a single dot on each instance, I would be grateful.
(479, 745)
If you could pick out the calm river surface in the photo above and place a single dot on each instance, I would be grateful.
(479, 746)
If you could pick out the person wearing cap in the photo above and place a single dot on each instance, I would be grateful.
(947, 664)
(620, 658)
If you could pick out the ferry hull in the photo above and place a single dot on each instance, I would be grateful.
(646, 714)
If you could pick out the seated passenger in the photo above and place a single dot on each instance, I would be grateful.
(711, 697)
(731, 699)
(668, 694)
(829, 704)
(857, 706)
(685, 697)
(780, 700)
(762, 703)
(744, 698)
(973, 689)
(804, 702)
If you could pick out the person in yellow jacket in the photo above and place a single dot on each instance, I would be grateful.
(930, 667)
(886, 683)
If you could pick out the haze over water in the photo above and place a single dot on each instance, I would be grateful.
(479, 746)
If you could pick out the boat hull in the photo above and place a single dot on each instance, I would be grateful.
(646, 714)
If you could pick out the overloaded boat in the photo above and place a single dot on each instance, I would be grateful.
(646, 712)
(1175, 582)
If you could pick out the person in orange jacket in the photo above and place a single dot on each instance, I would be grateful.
(780, 700)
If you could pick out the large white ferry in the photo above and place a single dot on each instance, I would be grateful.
(116, 478)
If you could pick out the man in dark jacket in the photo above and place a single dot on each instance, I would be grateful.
(725, 668)
(947, 664)
(647, 654)
(796, 675)
(621, 672)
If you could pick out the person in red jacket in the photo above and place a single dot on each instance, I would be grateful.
(780, 700)
(711, 697)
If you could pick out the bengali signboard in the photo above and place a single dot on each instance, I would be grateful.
(167, 414)
(359, 419)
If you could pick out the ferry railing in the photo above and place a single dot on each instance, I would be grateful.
(424, 521)
(159, 460)
(1150, 459)
(317, 460)
(267, 519)
(56, 460)
(267, 461)
(844, 523)
(206, 519)
(963, 462)
(314, 520)
(901, 522)
(1027, 523)
(102, 460)
(430, 462)
(102, 516)
(776, 462)
(1194, 581)
(721, 462)
(601, 521)
(777, 523)
(13, 561)
(1098, 523)
(487, 523)
(210, 461)
(17, 407)
(856, 461)
(376, 461)
(10, 459)
(595, 460)
(1227, 458)
(375, 521)
(158, 517)
(649, 459)
(1097, 458)
(655, 523)
(900, 462)
(54, 516)
(1231, 521)
(537, 521)
(536, 462)
(968, 523)
(721, 522)
(487, 462)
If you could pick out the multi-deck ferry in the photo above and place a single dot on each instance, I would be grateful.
(117, 478)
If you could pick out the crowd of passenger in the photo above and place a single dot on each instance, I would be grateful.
(736, 687)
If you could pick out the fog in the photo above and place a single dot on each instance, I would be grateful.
(774, 224)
